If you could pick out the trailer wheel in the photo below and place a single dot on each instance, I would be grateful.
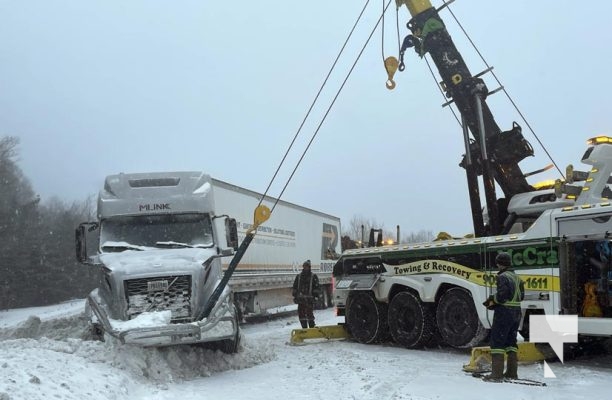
(322, 300)
(330, 296)
(326, 296)
(411, 322)
(457, 319)
(366, 318)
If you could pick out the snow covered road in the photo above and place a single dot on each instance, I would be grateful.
(43, 355)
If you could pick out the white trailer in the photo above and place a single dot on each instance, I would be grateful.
(263, 280)
(159, 241)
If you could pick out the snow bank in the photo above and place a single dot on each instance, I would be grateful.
(44, 357)
(57, 358)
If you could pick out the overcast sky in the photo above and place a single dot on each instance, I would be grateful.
(93, 88)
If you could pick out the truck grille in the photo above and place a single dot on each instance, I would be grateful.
(159, 294)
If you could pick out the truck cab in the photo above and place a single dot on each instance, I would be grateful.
(159, 247)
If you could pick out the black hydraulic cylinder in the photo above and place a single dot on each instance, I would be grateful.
(226, 277)
(473, 190)
(488, 182)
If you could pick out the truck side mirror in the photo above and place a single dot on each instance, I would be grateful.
(81, 243)
(231, 233)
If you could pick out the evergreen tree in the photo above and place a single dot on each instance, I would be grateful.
(37, 250)
(18, 220)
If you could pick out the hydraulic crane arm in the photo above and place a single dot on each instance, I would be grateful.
(492, 153)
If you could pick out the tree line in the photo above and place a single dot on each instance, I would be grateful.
(37, 251)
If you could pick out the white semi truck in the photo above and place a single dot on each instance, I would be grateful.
(162, 242)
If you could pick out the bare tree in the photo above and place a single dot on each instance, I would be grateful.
(359, 228)
(359, 232)
(8, 148)
(418, 237)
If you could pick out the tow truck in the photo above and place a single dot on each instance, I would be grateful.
(558, 235)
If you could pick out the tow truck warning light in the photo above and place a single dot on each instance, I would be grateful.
(599, 140)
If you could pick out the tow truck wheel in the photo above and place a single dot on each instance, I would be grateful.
(457, 319)
(366, 318)
(411, 322)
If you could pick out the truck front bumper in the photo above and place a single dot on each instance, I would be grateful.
(220, 325)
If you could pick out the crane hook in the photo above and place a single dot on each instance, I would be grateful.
(391, 65)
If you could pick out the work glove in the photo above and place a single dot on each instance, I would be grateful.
(490, 303)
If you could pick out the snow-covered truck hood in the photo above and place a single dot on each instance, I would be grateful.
(134, 262)
(157, 280)
(153, 297)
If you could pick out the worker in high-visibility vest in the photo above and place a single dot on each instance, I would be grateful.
(506, 303)
(306, 289)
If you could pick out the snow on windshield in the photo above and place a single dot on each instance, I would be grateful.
(156, 230)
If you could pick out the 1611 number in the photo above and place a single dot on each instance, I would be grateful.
(536, 283)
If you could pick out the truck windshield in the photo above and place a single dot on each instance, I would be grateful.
(177, 230)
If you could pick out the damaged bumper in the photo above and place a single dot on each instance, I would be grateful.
(221, 324)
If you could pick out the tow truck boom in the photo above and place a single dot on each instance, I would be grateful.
(492, 153)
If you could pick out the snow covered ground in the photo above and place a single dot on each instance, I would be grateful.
(44, 354)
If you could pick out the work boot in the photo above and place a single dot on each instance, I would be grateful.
(512, 366)
(497, 368)
(304, 323)
(311, 323)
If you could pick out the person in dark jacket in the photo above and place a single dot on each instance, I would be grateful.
(506, 303)
(305, 290)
